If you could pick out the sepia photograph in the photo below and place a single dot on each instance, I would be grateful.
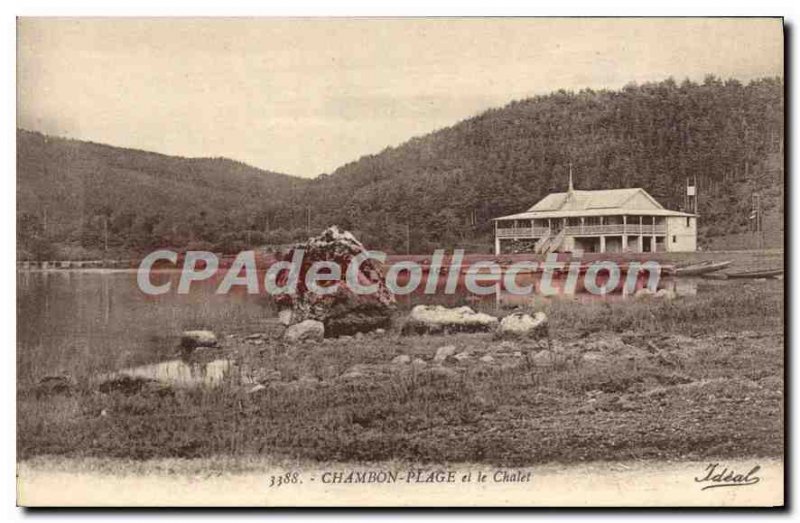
(400, 262)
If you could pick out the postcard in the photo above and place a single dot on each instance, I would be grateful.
(400, 262)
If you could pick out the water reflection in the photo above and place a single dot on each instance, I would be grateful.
(91, 322)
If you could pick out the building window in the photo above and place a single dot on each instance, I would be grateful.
(688, 222)
(674, 239)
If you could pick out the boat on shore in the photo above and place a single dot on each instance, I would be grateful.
(698, 269)
(714, 276)
(756, 274)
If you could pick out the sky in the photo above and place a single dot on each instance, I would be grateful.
(305, 96)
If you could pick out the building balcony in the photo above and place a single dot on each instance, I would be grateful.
(631, 229)
(522, 232)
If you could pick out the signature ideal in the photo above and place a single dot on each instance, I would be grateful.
(724, 477)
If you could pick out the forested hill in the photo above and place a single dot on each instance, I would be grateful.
(448, 185)
(439, 190)
(70, 192)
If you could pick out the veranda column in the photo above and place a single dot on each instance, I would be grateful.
(653, 239)
(624, 233)
(496, 241)
(641, 237)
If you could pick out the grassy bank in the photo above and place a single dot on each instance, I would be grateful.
(696, 377)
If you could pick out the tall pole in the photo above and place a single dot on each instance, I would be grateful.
(760, 226)
(686, 196)
(759, 223)
(408, 238)
(105, 238)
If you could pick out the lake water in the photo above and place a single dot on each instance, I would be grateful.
(97, 321)
(84, 322)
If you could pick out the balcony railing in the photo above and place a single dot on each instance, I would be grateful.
(630, 228)
(584, 230)
(522, 232)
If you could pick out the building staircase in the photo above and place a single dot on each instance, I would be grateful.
(550, 243)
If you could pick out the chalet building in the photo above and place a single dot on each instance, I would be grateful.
(617, 220)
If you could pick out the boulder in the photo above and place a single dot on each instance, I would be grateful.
(666, 294)
(443, 352)
(592, 357)
(519, 324)
(199, 338)
(461, 356)
(402, 359)
(285, 317)
(343, 312)
(51, 385)
(418, 362)
(487, 358)
(352, 375)
(432, 319)
(543, 358)
(308, 330)
(643, 293)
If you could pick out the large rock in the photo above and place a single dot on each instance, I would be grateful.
(308, 330)
(519, 325)
(200, 338)
(343, 312)
(666, 294)
(443, 352)
(52, 385)
(431, 319)
(285, 317)
(543, 358)
(402, 359)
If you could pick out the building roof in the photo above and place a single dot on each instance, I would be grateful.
(611, 202)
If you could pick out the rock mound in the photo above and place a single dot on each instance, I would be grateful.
(343, 312)
(433, 319)
(199, 338)
(307, 330)
(519, 325)
(52, 385)
(442, 353)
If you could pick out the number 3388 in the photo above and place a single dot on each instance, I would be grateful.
(285, 479)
